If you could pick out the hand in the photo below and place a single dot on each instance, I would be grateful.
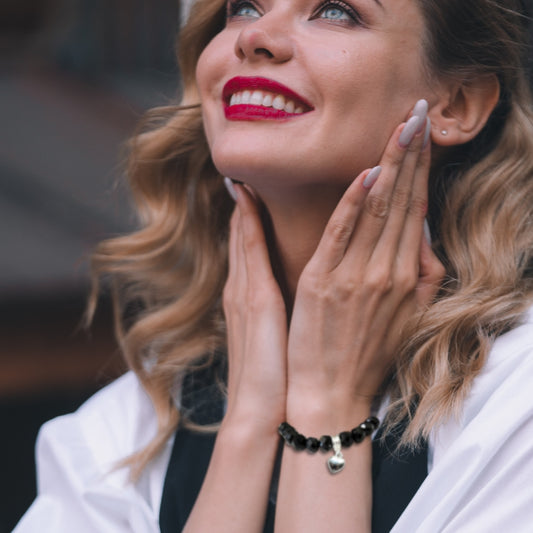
(371, 272)
(256, 323)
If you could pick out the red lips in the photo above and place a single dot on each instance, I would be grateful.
(259, 112)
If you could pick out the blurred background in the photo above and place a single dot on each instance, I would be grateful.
(75, 78)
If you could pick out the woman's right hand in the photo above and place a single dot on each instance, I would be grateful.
(256, 323)
(247, 441)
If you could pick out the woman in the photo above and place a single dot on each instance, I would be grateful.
(342, 125)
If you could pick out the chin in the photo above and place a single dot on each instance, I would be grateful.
(243, 164)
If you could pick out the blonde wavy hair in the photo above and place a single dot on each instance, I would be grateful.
(167, 278)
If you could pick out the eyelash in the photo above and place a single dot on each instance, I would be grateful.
(348, 9)
(233, 7)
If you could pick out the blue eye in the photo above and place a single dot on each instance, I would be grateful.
(335, 13)
(242, 9)
(339, 12)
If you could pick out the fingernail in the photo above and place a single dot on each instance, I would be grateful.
(409, 131)
(427, 133)
(415, 124)
(371, 177)
(427, 233)
(231, 188)
(421, 110)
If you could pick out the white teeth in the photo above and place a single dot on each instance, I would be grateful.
(265, 99)
(256, 98)
(278, 102)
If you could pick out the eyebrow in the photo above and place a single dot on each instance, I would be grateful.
(379, 4)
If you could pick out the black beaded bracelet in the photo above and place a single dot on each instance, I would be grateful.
(326, 443)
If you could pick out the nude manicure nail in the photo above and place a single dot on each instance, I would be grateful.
(409, 131)
(371, 177)
(421, 110)
(415, 124)
(231, 188)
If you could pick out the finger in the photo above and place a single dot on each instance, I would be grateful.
(401, 232)
(338, 232)
(256, 256)
(233, 248)
(431, 270)
(408, 250)
(376, 207)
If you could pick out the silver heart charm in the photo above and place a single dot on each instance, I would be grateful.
(336, 464)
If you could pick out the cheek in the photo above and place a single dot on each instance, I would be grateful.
(204, 71)
(213, 63)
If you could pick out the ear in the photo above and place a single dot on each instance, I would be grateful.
(462, 110)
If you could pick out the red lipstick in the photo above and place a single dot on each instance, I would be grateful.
(249, 111)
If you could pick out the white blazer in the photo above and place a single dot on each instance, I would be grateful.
(480, 467)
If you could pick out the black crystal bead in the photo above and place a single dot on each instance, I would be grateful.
(283, 426)
(326, 444)
(288, 433)
(299, 441)
(373, 421)
(285, 435)
(312, 444)
(346, 439)
(367, 428)
(283, 429)
(358, 434)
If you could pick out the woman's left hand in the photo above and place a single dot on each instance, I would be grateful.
(372, 271)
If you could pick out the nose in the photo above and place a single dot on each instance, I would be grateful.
(266, 38)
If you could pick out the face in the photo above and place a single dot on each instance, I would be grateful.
(301, 92)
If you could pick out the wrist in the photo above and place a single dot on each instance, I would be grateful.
(249, 429)
(326, 414)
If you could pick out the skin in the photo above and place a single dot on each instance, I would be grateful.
(379, 65)
(353, 263)
(361, 80)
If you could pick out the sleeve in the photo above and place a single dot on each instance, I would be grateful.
(80, 487)
(482, 478)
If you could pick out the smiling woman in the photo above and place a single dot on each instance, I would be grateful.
(371, 266)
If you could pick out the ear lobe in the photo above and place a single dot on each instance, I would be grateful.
(463, 110)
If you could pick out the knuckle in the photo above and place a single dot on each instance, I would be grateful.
(340, 231)
(414, 147)
(318, 288)
(348, 288)
(377, 206)
(311, 284)
(394, 158)
(418, 206)
(379, 280)
(401, 198)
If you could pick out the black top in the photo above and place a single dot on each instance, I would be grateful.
(396, 477)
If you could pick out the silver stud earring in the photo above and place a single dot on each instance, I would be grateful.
(444, 132)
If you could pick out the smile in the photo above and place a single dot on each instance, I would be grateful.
(265, 99)
(261, 98)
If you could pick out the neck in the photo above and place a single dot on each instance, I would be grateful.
(294, 222)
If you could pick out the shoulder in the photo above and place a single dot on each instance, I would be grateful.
(115, 422)
(79, 481)
(483, 460)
